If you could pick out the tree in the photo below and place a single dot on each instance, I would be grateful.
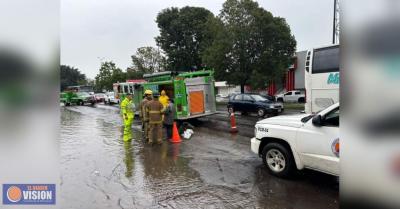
(108, 75)
(148, 60)
(70, 76)
(133, 74)
(183, 36)
(250, 47)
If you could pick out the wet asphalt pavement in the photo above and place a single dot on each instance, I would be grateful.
(213, 169)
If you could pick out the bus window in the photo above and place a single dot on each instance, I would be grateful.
(126, 89)
(326, 60)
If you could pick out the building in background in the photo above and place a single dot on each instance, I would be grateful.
(294, 77)
(224, 89)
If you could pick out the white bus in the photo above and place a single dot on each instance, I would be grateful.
(322, 78)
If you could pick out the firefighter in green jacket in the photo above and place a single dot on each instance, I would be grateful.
(128, 113)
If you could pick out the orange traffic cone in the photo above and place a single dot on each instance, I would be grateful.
(233, 124)
(176, 138)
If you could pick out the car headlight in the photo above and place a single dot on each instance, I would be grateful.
(271, 106)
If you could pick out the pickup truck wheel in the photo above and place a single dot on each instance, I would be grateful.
(278, 159)
(301, 100)
(261, 112)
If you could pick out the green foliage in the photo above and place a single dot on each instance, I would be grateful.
(250, 46)
(148, 60)
(70, 76)
(183, 36)
(108, 75)
(134, 74)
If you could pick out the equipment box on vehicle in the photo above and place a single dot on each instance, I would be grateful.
(193, 92)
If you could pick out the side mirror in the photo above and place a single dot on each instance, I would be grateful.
(317, 120)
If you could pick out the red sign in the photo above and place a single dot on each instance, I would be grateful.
(136, 81)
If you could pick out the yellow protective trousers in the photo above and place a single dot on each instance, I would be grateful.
(127, 110)
(128, 127)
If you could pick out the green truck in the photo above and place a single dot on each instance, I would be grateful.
(193, 92)
(72, 95)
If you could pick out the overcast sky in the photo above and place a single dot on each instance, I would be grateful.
(100, 30)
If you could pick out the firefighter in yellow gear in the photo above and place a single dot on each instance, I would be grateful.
(163, 98)
(154, 111)
(128, 113)
(142, 114)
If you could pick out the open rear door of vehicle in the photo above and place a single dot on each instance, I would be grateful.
(196, 102)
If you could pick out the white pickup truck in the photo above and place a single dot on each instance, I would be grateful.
(291, 96)
(287, 143)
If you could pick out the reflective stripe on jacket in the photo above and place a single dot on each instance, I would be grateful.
(127, 107)
(154, 110)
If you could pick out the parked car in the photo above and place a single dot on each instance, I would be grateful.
(100, 97)
(253, 103)
(232, 94)
(291, 96)
(81, 98)
(287, 143)
(269, 97)
(221, 98)
(110, 98)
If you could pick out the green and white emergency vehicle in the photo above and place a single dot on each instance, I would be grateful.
(193, 92)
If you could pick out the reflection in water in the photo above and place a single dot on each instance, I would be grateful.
(175, 151)
(129, 160)
(127, 135)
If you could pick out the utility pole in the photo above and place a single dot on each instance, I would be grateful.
(336, 23)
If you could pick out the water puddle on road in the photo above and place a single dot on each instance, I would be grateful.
(99, 170)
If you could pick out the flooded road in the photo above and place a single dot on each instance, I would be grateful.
(212, 170)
